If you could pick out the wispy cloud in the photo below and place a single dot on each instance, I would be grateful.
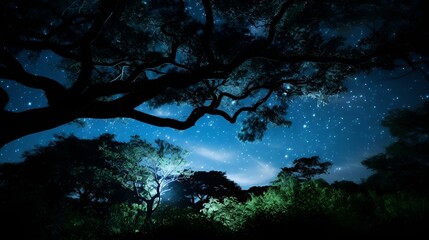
(261, 174)
(162, 112)
(213, 154)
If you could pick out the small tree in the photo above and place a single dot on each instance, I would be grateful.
(147, 169)
(305, 168)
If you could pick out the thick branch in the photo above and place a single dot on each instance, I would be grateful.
(38, 46)
(86, 67)
(195, 115)
(54, 91)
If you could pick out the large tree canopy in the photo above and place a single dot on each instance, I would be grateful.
(404, 165)
(218, 57)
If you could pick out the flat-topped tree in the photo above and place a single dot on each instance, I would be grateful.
(223, 58)
(305, 168)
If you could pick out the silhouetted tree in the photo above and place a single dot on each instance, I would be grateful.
(405, 163)
(217, 57)
(147, 169)
(305, 168)
(201, 186)
(68, 174)
(76, 166)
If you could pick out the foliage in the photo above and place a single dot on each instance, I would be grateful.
(404, 165)
(290, 199)
(228, 212)
(83, 174)
(201, 186)
(123, 218)
(173, 222)
(147, 169)
(80, 225)
(305, 168)
(237, 60)
(61, 193)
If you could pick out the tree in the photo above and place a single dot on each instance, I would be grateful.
(147, 169)
(405, 163)
(56, 184)
(83, 175)
(223, 58)
(305, 168)
(201, 186)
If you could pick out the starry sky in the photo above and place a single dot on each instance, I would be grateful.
(344, 131)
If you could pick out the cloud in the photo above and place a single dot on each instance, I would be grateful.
(261, 174)
(212, 154)
(162, 112)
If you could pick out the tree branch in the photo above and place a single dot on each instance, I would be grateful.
(195, 115)
(54, 91)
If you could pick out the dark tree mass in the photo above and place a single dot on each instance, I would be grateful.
(306, 168)
(123, 58)
(105, 189)
(404, 166)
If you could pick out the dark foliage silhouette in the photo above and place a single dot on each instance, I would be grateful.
(305, 168)
(201, 186)
(229, 59)
(404, 165)
(79, 189)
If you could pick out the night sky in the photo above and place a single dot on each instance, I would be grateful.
(345, 131)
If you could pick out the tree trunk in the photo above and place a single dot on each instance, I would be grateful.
(149, 209)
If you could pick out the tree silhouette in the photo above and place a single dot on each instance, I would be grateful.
(405, 163)
(305, 168)
(223, 58)
(201, 186)
(83, 174)
(147, 169)
(68, 174)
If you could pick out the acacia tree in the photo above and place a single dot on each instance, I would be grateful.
(305, 168)
(223, 58)
(147, 169)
